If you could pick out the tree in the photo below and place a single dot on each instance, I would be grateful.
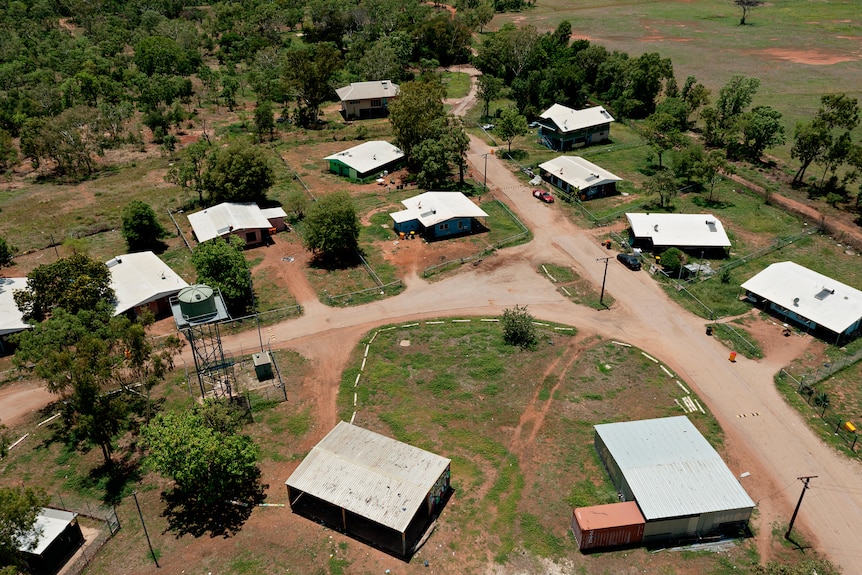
(661, 131)
(102, 368)
(188, 172)
(708, 170)
(8, 153)
(19, 507)
(264, 123)
(141, 229)
(694, 94)
(331, 226)
(761, 129)
(813, 140)
(511, 125)
(663, 185)
(221, 264)
(73, 283)
(672, 259)
(308, 71)
(733, 98)
(297, 202)
(6, 252)
(238, 173)
(207, 459)
(518, 327)
(489, 88)
(412, 114)
(746, 6)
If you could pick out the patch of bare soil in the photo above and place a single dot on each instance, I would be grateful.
(813, 57)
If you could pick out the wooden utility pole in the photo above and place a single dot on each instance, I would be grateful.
(604, 278)
(804, 481)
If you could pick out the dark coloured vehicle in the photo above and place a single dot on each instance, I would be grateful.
(544, 196)
(630, 262)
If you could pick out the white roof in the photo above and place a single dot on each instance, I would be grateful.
(227, 217)
(431, 208)
(271, 213)
(823, 300)
(11, 318)
(367, 90)
(578, 172)
(140, 278)
(682, 230)
(368, 156)
(671, 468)
(569, 120)
(369, 474)
(50, 523)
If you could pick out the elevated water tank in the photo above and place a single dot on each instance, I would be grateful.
(197, 301)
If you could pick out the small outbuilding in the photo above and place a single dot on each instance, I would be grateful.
(371, 487)
(652, 231)
(680, 483)
(53, 540)
(366, 161)
(818, 303)
(604, 526)
(11, 318)
(437, 215)
(562, 128)
(579, 177)
(143, 282)
(362, 100)
(244, 220)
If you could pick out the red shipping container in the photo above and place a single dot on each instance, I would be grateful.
(610, 525)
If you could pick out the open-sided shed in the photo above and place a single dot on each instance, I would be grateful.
(680, 483)
(371, 487)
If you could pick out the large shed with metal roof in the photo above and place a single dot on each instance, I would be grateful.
(52, 540)
(371, 487)
(680, 483)
(11, 318)
(818, 303)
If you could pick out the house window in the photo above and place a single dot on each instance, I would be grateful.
(354, 101)
(461, 225)
(376, 102)
(444, 226)
(250, 237)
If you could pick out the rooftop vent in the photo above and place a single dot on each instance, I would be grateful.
(824, 293)
(796, 301)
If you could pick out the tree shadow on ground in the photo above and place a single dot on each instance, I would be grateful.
(117, 479)
(335, 260)
(187, 514)
(702, 202)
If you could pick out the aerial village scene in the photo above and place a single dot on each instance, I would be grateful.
(491, 287)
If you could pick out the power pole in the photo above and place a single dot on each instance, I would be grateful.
(138, 505)
(805, 481)
(604, 278)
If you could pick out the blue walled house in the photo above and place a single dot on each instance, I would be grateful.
(437, 215)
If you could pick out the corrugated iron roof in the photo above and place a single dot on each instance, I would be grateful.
(578, 172)
(671, 468)
(432, 208)
(568, 119)
(368, 156)
(369, 474)
(50, 523)
(140, 278)
(368, 90)
(681, 230)
(227, 217)
(819, 298)
(11, 318)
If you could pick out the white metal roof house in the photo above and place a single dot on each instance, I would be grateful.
(803, 296)
(562, 128)
(438, 215)
(366, 161)
(684, 231)
(366, 99)
(371, 487)
(11, 318)
(142, 281)
(52, 541)
(682, 486)
(245, 220)
(580, 177)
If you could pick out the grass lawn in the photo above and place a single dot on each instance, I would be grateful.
(457, 84)
(574, 286)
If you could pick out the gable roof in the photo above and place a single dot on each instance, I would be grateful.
(819, 298)
(368, 156)
(50, 524)
(569, 120)
(369, 474)
(578, 172)
(11, 318)
(225, 218)
(671, 469)
(140, 278)
(681, 230)
(368, 90)
(432, 208)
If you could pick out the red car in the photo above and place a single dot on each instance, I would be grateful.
(544, 196)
